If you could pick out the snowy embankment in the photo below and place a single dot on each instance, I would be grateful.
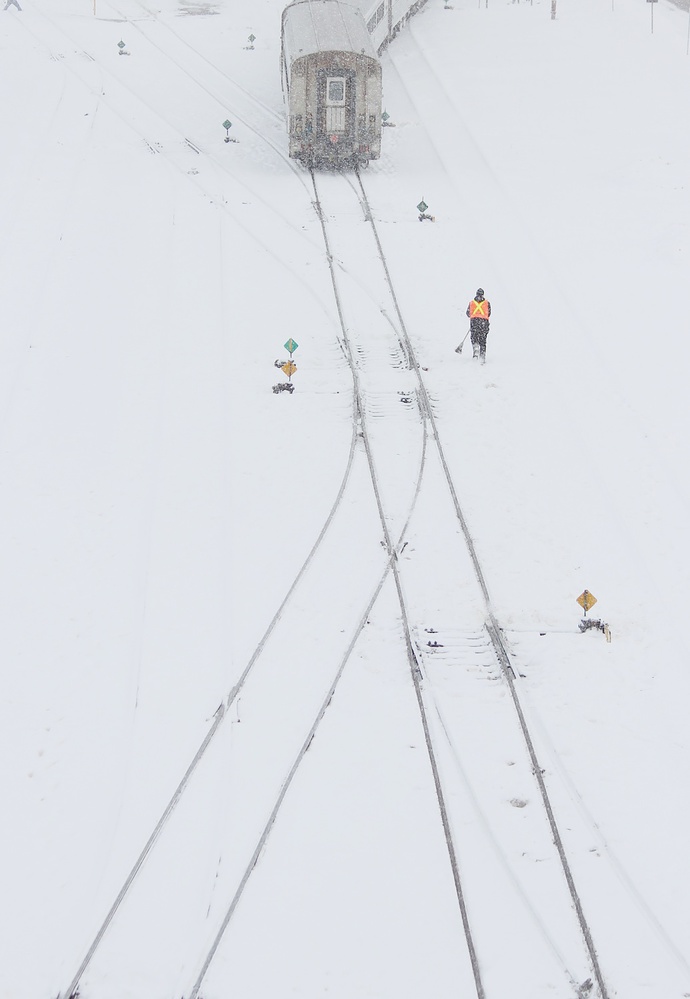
(158, 500)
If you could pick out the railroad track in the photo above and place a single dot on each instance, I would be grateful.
(321, 566)
(391, 407)
(492, 643)
(391, 404)
(330, 542)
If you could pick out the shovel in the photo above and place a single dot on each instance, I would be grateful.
(458, 349)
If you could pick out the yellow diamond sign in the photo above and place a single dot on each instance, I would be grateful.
(289, 368)
(586, 600)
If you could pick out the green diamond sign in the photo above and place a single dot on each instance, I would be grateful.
(422, 206)
(227, 124)
(291, 346)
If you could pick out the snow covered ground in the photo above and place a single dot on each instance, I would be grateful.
(157, 501)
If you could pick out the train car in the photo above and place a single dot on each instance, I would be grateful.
(385, 18)
(332, 83)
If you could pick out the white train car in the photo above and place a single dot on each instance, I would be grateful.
(332, 82)
(385, 18)
(332, 76)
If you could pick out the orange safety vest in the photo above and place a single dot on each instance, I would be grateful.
(479, 310)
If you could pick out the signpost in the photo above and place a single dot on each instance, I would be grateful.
(227, 125)
(421, 208)
(652, 2)
(288, 368)
(586, 600)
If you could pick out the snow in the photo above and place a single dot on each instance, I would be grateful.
(158, 504)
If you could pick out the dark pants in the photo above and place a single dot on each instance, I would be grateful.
(479, 331)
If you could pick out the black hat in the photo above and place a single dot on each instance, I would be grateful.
(480, 291)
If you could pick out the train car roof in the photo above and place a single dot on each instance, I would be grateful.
(311, 26)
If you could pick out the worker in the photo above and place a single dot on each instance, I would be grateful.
(479, 311)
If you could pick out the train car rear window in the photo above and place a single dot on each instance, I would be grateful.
(336, 90)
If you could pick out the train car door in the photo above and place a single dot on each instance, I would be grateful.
(336, 104)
